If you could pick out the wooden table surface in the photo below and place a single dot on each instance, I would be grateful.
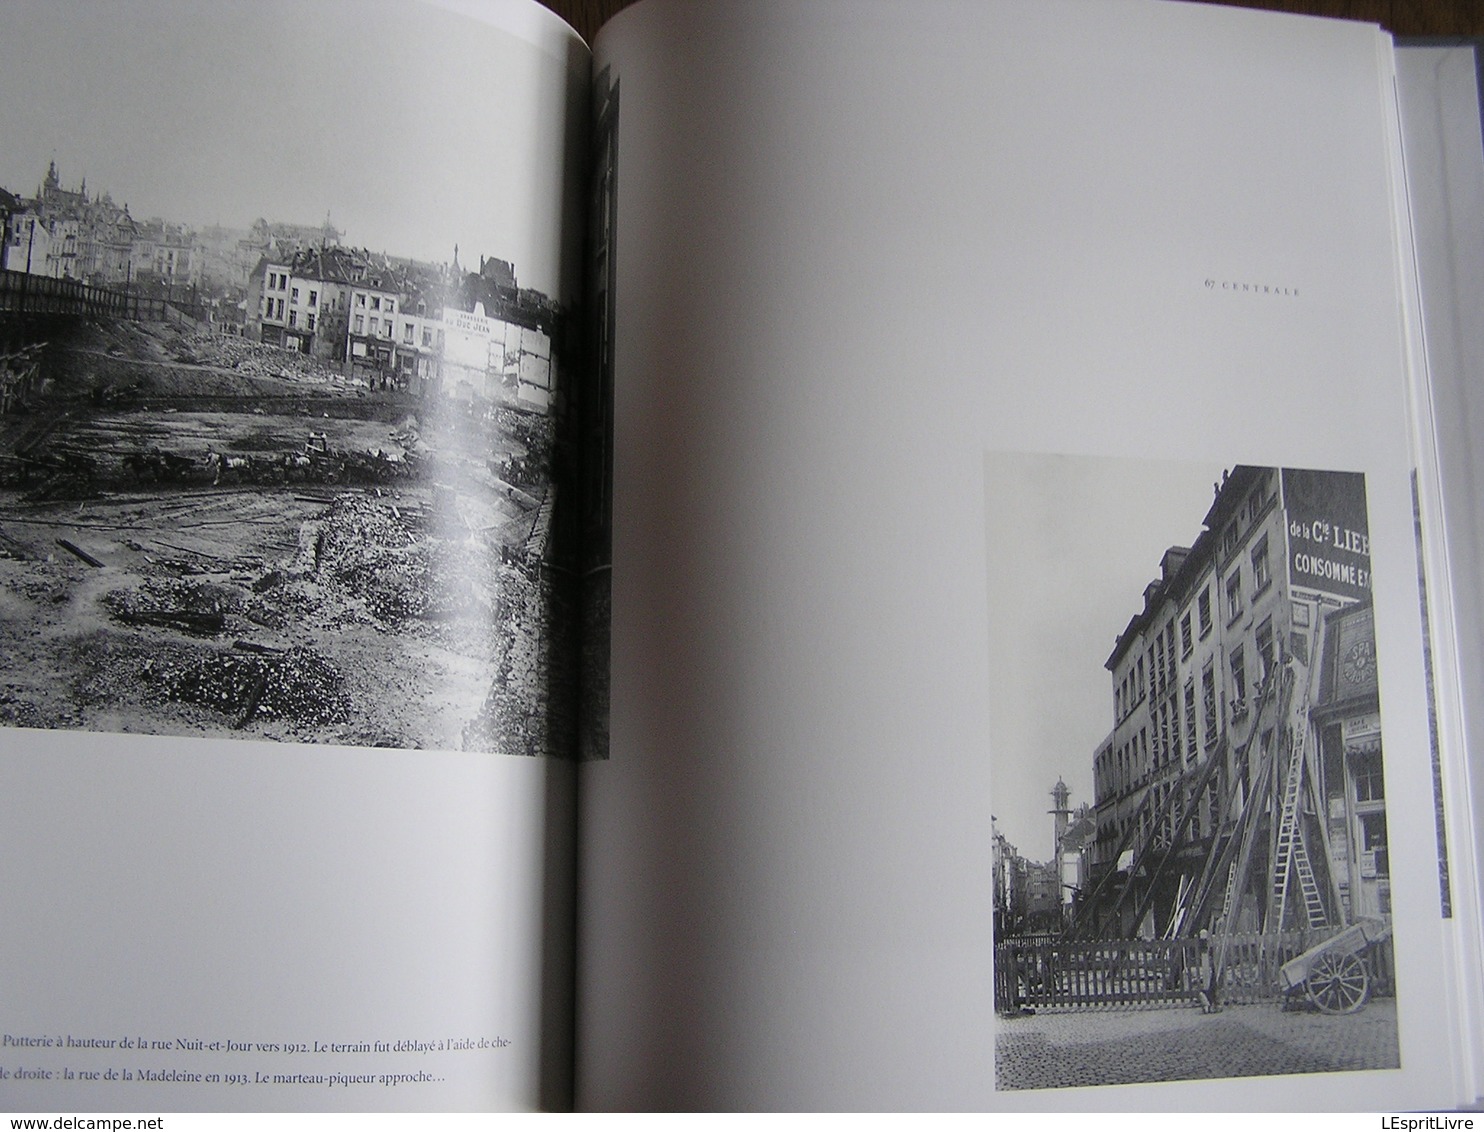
(1400, 17)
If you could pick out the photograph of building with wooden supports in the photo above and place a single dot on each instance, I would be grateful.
(1230, 870)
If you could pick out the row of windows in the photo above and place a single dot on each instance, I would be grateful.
(1161, 655)
(1261, 577)
(1162, 659)
(1167, 748)
(1237, 664)
(1266, 659)
(279, 281)
(383, 328)
(385, 303)
(379, 328)
(1130, 691)
(1163, 818)
(1162, 743)
(1127, 764)
(273, 308)
(1252, 510)
(376, 302)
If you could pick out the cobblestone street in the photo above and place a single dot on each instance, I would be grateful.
(1059, 1050)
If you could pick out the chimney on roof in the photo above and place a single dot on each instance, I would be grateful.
(1171, 562)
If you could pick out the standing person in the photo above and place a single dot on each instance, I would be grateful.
(1207, 975)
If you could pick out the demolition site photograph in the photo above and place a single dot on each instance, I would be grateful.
(205, 535)
(285, 445)
(1190, 859)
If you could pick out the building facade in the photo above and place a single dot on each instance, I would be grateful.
(428, 329)
(1220, 794)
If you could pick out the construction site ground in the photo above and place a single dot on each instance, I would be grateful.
(207, 536)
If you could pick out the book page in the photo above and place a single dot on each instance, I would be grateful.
(286, 338)
(1017, 663)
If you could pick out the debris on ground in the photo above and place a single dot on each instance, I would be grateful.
(206, 535)
(200, 607)
(299, 685)
(366, 549)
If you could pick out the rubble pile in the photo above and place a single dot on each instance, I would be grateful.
(299, 686)
(109, 670)
(254, 359)
(73, 482)
(530, 706)
(18, 711)
(196, 606)
(49, 584)
(460, 580)
(367, 550)
(356, 526)
(528, 448)
(394, 586)
(364, 549)
(161, 595)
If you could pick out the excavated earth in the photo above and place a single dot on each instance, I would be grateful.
(367, 577)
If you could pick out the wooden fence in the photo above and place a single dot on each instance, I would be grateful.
(1085, 974)
(34, 295)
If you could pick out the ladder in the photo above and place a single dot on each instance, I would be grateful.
(1313, 905)
(1248, 825)
(1225, 918)
(1292, 856)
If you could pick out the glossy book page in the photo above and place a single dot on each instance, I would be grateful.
(963, 355)
(285, 652)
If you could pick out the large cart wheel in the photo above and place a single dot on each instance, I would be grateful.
(1338, 983)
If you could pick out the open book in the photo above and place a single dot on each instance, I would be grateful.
(817, 555)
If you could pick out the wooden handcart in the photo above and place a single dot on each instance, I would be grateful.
(1335, 976)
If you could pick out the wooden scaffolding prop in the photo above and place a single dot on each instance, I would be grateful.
(1291, 895)
(1284, 788)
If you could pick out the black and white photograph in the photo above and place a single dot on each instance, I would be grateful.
(284, 355)
(1190, 848)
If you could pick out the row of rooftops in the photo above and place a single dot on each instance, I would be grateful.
(311, 253)
(52, 201)
(1179, 566)
(339, 263)
(434, 285)
(100, 223)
